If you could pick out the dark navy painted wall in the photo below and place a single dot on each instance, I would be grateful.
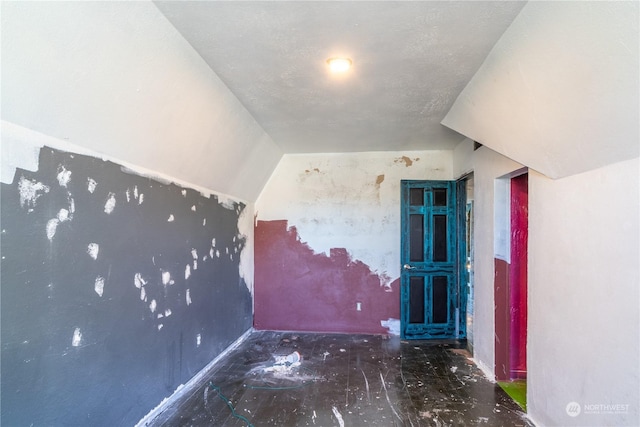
(115, 289)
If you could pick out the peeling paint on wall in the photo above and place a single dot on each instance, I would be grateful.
(406, 160)
(106, 276)
(349, 201)
(296, 287)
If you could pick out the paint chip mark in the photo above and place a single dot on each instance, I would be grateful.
(379, 179)
(167, 312)
(342, 350)
(194, 253)
(171, 218)
(99, 285)
(198, 340)
(135, 192)
(63, 215)
(139, 281)
(338, 416)
(128, 194)
(393, 325)
(141, 198)
(453, 369)
(64, 176)
(93, 249)
(184, 193)
(77, 337)
(204, 222)
(187, 272)
(213, 242)
(91, 185)
(52, 225)
(110, 204)
(188, 297)
(153, 306)
(160, 326)
(404, 159)
(30, 191)
(143, 294)
(193, 208)
(166, 277)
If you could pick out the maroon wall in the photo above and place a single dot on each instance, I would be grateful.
(502, 319)
(518, 275)
(297, 289)
(510, 291)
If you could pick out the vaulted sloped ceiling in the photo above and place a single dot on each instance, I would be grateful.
(411, 60)
(559, 92)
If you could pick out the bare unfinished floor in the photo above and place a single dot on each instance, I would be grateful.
(343, 380)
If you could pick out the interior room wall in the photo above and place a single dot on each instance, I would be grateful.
(583, 274)
(487, 166)
(117, 286)
(328, 238)
(113, 296)
(559, 80)
(584, 323)
(118, 79)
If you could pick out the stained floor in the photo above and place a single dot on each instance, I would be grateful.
(343, 380)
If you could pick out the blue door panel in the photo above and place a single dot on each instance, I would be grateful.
(430, 295)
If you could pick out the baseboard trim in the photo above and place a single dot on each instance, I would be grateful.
(183, 388)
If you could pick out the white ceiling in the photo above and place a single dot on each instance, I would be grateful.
(411, 61)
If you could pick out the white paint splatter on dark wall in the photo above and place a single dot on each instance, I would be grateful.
(100, 317)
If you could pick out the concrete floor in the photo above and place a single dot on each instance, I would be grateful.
(342, 380)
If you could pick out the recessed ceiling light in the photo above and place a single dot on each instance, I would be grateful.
(339, 65)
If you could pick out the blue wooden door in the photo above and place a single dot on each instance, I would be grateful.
(430, 296)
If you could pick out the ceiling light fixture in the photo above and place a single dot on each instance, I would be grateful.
(339, 65)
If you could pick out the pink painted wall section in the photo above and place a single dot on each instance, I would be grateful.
(518, 276)
(298, 289)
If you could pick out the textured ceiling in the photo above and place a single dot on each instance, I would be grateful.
(411, 61)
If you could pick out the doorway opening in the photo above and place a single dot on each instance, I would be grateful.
(468, 256)
(510, 284)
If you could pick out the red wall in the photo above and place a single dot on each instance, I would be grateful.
(297, 289)
(510, 291)
(502, 322)
(518, 275)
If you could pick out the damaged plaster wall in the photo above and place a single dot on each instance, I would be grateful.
(341, 207)
(116, 287)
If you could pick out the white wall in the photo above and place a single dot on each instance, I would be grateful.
(349, 201)
(562, 79)
(583, 276)
(584, 319)
(117, 78)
